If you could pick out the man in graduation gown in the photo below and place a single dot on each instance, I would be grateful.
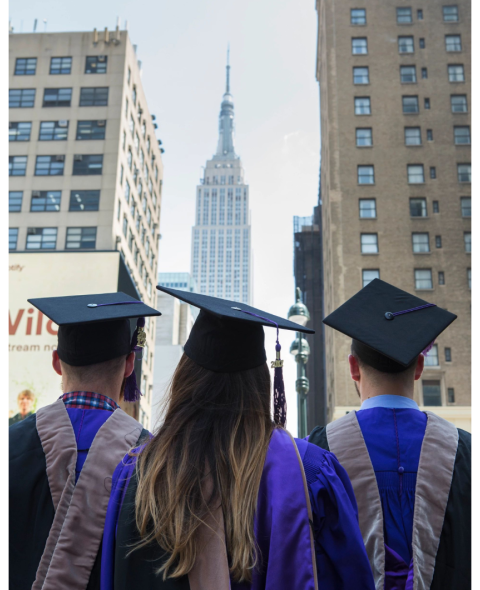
(62, 458)
(306, 522)
(410, 470)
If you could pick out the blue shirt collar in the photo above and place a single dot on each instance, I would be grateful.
(389, 401)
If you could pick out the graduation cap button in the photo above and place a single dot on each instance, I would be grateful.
(389, 315)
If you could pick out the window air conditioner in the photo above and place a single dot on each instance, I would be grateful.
(59, 158)
(77, 158)
(63, 123)
(36, 194)
(101, 58)
(101, 123)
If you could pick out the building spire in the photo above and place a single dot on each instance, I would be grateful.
(227, 89)
(225, 148)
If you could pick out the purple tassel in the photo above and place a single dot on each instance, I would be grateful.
(131, 392)
(279, 400)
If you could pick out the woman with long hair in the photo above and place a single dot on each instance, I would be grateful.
(222, 497)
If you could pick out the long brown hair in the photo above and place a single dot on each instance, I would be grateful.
(218, 426)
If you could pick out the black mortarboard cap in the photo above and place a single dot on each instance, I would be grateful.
(93, 328)
(394, 324)
(228, 337)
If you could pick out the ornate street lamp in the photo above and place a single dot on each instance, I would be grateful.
(301, 350)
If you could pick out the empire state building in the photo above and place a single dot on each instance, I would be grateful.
(221, 244)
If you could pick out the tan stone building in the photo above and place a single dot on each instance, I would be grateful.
(85, 164)
(395, 92)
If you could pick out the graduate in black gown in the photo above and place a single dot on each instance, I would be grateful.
(411, 470)
(62, 458)
(223, 497)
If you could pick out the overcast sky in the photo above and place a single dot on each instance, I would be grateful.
(182, 46)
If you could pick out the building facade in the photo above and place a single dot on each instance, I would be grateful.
(395, 97)
(85, 165)
(221, 238)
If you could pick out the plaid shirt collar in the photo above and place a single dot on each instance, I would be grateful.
(89, 400)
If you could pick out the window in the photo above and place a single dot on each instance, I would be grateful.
(360, 76)
(85, 200)
(365, 175)
(25, 66)
(467, 238)
(358, 16)
(359, 46)
(421, 43)
(441, 277)
(426, 103)
(41, 238)
(431, 357)
(57, 97)
(22, 98)
(469, 277)
(17, 165)
(15, 201)
(436, 207)
(451, 395)
(53, 131)
(368, 208)
(124, 140)
(423, 278)
(464, 172)
(413, 136)
(127, 191)
(418, 207)
(19, 131)
(87, 164)
(432, 395)
(415, 174)
(136, 142)
(134, 94)
(438, 241)
(129, 158)
(45, 201)
(462, 135)
(420, 14)
(410, 105)
(364, 137)
(448, 355)
(81, 238)
(433, 172)
(369, 243)
(49, 165)
(424, 73)
(408, 74)
(362, 105)
(429, 135)
(96, 64)
(420, 243)
(91, 129)
(453, 43)
(404, 16)
(368, 276)
(119, 210)
(94, 97)
(456, 73)
(12, 238)
(450, 14)
(466, 204)
(459, 103)
(405, 45)
(60, 65)
(121, 175)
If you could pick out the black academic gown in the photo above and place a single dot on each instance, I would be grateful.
(442, 526)
(56, 523)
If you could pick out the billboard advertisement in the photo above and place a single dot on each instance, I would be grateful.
(32, 336)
